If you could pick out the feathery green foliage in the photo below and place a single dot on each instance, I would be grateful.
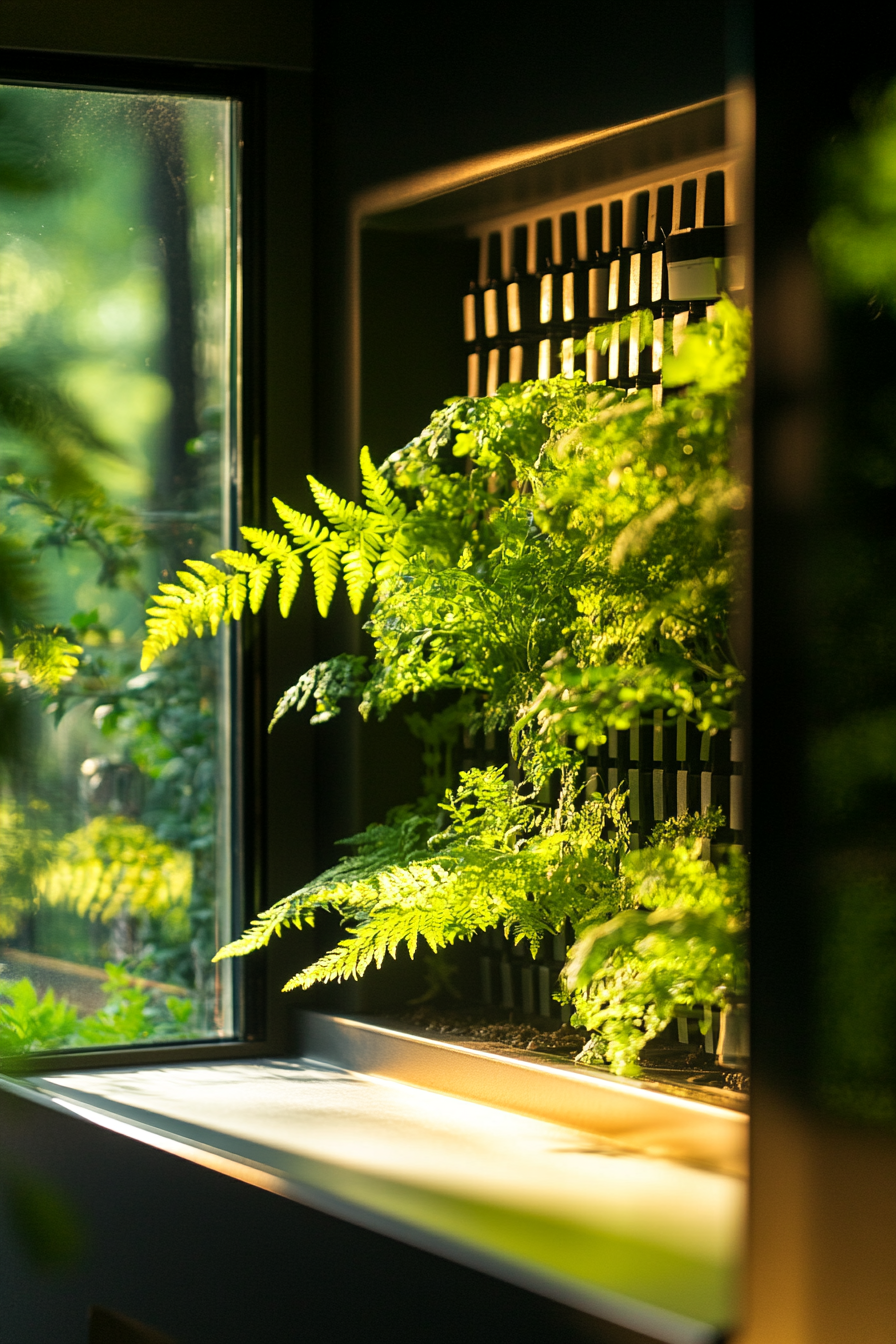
(113, 866)
(356, 542)
(557, 560)
(501, 860)
(29, 1022)
(679, 939)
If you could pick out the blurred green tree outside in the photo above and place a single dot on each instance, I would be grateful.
(114, 313)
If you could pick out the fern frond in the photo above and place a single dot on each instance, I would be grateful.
(258, 582)
(46, 657)
(369, 944)
(243, 561)
(358, 576)
(324, 560)
(236, 592)
(192, 582)
(306, 530)
(272, 545)
(290, 573)
(342, 513)
(378, 493)
(205, 597)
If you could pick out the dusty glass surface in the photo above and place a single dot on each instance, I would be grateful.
(117, 290)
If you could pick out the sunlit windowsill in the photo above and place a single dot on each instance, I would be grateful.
(572, 1210)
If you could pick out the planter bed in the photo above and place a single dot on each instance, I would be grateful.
(687, 1069)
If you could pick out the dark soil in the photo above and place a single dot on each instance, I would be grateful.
(664, 1060)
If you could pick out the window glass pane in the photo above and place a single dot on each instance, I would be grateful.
(116, 294)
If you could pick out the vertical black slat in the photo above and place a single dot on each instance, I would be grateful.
(714, 201)
(612, 754)
(615, 225)
(544, 244)
(494, 260)
(687, 210)
(671, 791)
(594, 230)
(527, 989)
(520, 249)
(721, 798)
(640, 208)
(681, 739)
(508, 996)
(486, 983)
(545, 988)
(569, 237)
(665, 199)
(647, 813)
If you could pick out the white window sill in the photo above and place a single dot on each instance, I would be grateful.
(639, 1239)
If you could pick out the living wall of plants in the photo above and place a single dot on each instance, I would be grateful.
(552, 562)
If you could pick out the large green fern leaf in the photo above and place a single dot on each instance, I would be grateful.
(342, 513)
(307, 531)
(378, 493)
(272, 545)
(324, 560)
(290, 573)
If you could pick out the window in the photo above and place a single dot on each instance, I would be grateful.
(118, 453)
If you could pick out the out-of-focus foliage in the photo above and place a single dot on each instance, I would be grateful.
(111, 867)
(88, 378)
(854, 236)
(46, 657)
(839, 922)
(26, 846)
(29, 1023)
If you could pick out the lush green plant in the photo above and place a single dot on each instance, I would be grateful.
(29, 1023)
(573, 573)
(112, 866)
(678, 940)
(82, 437)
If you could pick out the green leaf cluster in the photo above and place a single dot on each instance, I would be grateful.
(356, 542)
(501, 860)
(553, 561)
(30, 1023)
(679, 941)
(113, 866)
